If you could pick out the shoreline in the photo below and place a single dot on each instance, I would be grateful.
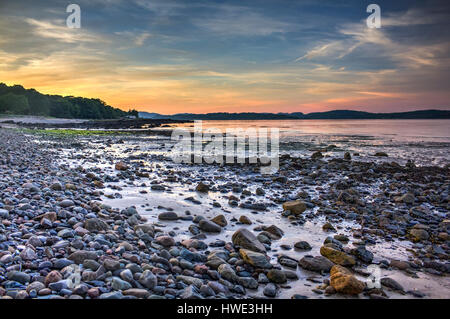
(157, 249)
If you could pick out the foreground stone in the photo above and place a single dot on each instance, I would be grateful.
(245, 239)
(343, 281)
(296, 207)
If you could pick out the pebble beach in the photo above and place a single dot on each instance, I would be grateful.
(110, 216)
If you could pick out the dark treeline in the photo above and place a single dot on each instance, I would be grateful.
(20, 101)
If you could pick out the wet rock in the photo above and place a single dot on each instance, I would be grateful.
(391, 283)
(302, 245)
(296, 207)
(245, 220)
(270, 290)
(336, 256)
(343, 281)
(165, 241)
(277, 276)
(202, 188)
(363, 254)
(245, 239)
(227, 272)
(220, 220)
(168, 216)
(419, 234)
(121, 166)
(316, 155)
(209, 227)
(255, 259)
(317, 263)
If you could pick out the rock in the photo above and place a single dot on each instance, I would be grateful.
(111, 264)
(227, 272)
(4, 214)
(347, 156)
(270, 290)
(95, 225)
(302, 245)
(202, 188)
(248, 282)
(28, 254)
(66, 233)
(53, 276)
(363, 254)
(317, 264)
(112, 295)
(35, 241)
(287, 261)
(66, 203)
(343, 281)
(274, 231)
(190, 292)
(316, 155)
(18, 276)
(245, 239)
(138, 293)
(277, 276)
(189, 280)
(328, 227)
(296, 207)
(381, 154)
(245, 220)
(336, 256)
(408, 198)
(80, 256)
(255, 259)
(168, 216)
(62, 262)
(35, 285)
(119, 284)
(399, 264)
(165, 241)
(209, 226)
(391, 283)
(148, 279)
(220, 220)
(56, 187)
(419, 234)
(121, 166)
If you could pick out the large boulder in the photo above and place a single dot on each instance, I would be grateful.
(337, 256)
(296, 207)
(209, 226)
(343, 281)
(255, 259)
(317, 263)
(245, 239)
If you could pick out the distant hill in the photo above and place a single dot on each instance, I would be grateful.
(330, 115)
(20, 101)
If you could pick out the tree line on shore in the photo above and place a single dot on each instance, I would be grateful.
(17, 100)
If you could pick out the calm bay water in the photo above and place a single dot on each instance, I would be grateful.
(427, 142)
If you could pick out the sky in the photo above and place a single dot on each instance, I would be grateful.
(199, 56)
